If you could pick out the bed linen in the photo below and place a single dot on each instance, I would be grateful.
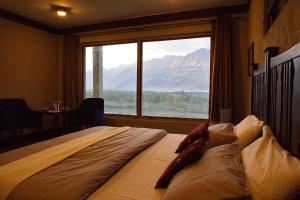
(19, 153)
(16, 172)
(136, 180)
(219, 174)
(79, 175)
(271, 171)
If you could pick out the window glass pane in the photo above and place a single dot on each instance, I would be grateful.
(176, 78)
(110, 73)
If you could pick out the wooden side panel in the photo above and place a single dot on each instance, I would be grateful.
(295, 141)
(276, 96)
(281, 98)
(258, 95)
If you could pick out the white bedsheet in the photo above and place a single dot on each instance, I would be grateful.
(136, 180)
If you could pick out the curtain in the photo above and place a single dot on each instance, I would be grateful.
(220, 80)
(71, 78)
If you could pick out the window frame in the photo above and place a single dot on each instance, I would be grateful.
(139, 89)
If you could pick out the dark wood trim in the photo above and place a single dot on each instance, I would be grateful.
(208, 12)
(137, 21)
(149, 39)
(269, 52)
(155, 118)
(293, 52)
(139, 86)
(139, 83)
(258, 71)
(258, 94)
(28, 22)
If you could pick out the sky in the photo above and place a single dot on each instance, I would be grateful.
(122, 54)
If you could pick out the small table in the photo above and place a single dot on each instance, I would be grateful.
(56, 115)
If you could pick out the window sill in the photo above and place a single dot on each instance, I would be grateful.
(171, 125)
(154, 118)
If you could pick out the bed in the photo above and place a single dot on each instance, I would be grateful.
(133, 180)
(130, 160)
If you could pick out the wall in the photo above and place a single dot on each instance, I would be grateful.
(29, 66)
(284, 33)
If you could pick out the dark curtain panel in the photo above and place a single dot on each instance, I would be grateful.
(220, 81)
(72, 89)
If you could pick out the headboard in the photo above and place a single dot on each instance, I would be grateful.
(276, 96)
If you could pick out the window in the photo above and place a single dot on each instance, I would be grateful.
(110, 73)
(174, 78)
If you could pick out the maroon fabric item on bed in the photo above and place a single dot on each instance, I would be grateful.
(191, 154)
(197, 133)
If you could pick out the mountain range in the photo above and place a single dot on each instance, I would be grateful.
(169, 73)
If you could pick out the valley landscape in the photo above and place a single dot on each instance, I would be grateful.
(173, 86)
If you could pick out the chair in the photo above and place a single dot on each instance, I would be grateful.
(15, 115)
(90, 113)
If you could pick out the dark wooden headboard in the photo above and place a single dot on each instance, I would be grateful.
(276, 96)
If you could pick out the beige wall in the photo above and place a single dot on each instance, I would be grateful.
(29, 66)
(284, 33)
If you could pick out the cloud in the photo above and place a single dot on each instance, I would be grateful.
(182, 47)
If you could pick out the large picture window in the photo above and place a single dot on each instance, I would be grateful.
(176, 78)
(173, 80)
(111, 73)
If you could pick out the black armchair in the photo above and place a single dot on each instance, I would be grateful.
(15, 115)
(90, 113)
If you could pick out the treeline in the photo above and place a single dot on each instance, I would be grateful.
(169, 104)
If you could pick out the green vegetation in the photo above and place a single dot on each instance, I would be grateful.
(166, 104)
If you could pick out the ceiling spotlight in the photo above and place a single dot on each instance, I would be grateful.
(61, 13)
(60, 10)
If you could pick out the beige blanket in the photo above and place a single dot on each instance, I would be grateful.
(136, 180)
(15, 172)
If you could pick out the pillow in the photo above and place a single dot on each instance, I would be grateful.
(197, 133)
(192, 153)
(218, 175)
(247, 130)
(220, 134)
(271, 171)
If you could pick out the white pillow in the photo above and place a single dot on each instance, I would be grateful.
(220, 134)
(247, 130)
(219, 174)
(271, 172)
